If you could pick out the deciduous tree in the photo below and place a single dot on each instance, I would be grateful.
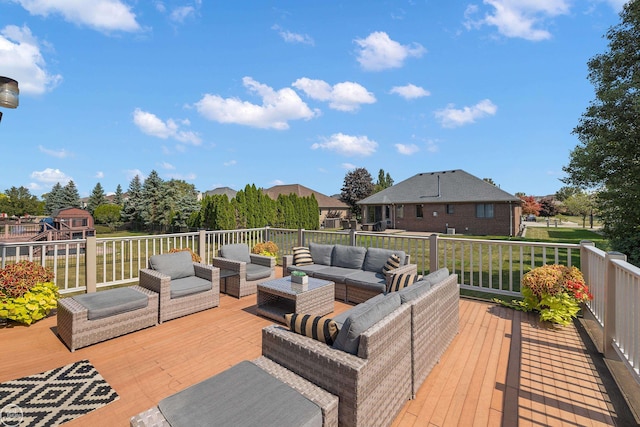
(609, 149)
(358, 185)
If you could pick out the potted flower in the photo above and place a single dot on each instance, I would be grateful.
(555, 291)
(299, 281)
(27, 292)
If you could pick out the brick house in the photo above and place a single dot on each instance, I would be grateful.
(326, 204)
(445, 202)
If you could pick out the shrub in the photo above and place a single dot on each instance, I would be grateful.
(27, 292)
(555, 291)
(194, 256)
(266, 248)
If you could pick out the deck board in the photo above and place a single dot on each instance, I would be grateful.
(503, 368)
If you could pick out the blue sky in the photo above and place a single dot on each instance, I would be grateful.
(234, 93)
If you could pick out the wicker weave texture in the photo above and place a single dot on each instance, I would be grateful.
(171, 308)
(327, 402)
(372, 387)
(77, 331)
(318, 301)
(238, 285)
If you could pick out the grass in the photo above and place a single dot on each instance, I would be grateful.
(566, 235)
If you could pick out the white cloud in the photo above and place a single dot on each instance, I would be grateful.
(345, 96)
(290, 37)
(167, 166)
(51, 176)
(102, 15)
(99, 174)
(178, 176)
(378, 52)
(22, 60)
(277, 182)
(407, 149)
(347, 145)
(451, 117)
(230, 163)
(518, 18)
(179, 14)
(132, 173)
(410, 91)
(277, 108)
(61, 153)
(150, 124)
(348, 166)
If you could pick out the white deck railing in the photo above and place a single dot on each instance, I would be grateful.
(486, 266)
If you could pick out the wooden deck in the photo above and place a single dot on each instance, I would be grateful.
(503, 368)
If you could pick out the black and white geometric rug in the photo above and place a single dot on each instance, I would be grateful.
(54, 397)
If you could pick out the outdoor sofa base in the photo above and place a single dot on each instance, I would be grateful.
(76, 330)
(326, 403)
(238, 285)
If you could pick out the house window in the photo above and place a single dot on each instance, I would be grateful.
(450, 209)
(484, 210)
(400, 211)
(419, 213)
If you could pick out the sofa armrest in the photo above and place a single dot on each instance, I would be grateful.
(287, 261)
(208, 272)
(403, 269)
(266, 261)
(156, 282)
(229, 264)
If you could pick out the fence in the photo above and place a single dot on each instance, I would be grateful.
(487, 266)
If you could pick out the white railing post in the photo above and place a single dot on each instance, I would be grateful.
(584, 259)
(352, 237)
(90, 254)
(433, 252)
(610, 304)
(300, 236)
(202, 245)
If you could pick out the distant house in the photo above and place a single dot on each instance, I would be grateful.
(449, 201)
(326, 204)
(72, 223)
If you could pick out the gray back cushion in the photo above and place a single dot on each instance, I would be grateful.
(236, 252)
(176, 265)
(348, 338)
(320, 253)
(348, 256)
(377, 257)
(421, 287)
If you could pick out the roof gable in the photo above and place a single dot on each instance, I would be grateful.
(454, 186)
(302, 191)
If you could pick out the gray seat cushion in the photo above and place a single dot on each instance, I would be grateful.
(309, 269)
(377, 257)
(348, 256)
(422, 286)
(236, 252)
(243, 395)
(335, 274)
(189, 286)
(176, 265)
(368, 280)
(321, 254)
(348, 338)
(111, 302)
(256, 272)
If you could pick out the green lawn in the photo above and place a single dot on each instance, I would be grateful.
(565, 235)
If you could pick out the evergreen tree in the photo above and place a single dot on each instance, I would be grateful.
(54, 199)
(97, 198)
(132, 209)
(70, 196)
(118, 198)
(384, 181)
(180, 201)
(152, 196)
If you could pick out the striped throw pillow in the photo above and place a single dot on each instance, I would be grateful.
(319, 328)
(401, 281)
(302, 256)
(392, 263)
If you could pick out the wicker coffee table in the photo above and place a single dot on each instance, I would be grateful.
(279, 297)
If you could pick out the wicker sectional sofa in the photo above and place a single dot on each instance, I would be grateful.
(356, 271)
(399, 337)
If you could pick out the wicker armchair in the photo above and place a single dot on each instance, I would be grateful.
(250, 269)
(184, 286)
(372, 386)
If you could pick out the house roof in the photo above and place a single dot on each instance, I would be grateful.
(302, 191)
(453, 186)
(230, 192)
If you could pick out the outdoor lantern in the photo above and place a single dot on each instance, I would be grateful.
(8, 92)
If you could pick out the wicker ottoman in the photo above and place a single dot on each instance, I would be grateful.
(90, 318)
(256, 393)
